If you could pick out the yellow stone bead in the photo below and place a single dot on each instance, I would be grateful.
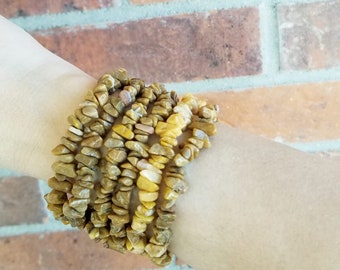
(71, 213)
(145, 219)
(108, 108)
(155, 251)
(117, 244)
(168, 141)
(145, 211)
(121, 75)
(133, 161)
(114, 143)
(180, 161)
(91, 152)
(69, 144)
(208, 128)
(149, 205)
(57, 209)
(151, 175)
(79, 204)
(117, 103)
(201, 135)
(138, 225)
(161, 236)
(158, 149)
(81, 117)
(157, 164)
(67, 158)
(144, 184)
(163, 260)
(108, 81)
(102, 97)
(116, 155)
(86, 160)
(94, 234)
(90, 111)
(136, 248)
(159, 110)
(173, 133)
(123, 197)
(168, 128)
(80, 192)
(191, 101)
(168, 205)
(129, 246)
(74, 122)
(161, 127)
(91, 97)
(60, 150)
(94, 141)
(119, 220)
(198, 143)
(170, 194)
(144, 164)
(123, 131)
(176, 184)
(139, 147)
(146, 196)
(63, 186)
(160, 159)
(176, 119)
(67, 169)
(184, 110)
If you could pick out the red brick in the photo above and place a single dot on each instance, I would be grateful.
(15, 8)
(307, 112)
(20, 201)
(143, 2)
(215, 44)
(64, 250)
(310, 35)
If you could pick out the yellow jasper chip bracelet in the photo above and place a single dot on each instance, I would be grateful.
(119, 168)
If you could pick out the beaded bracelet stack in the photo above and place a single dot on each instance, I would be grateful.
(111, 170)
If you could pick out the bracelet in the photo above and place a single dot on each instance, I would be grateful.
(119, 168)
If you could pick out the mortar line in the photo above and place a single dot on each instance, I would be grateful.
(269, 38)
(9, 173)
(287, 2)
(128, 12)
(245, 83)
(23, 229)
(125, 13)
(316, 146)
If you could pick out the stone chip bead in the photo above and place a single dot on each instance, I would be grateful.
(122, 131)
(66, 169)
(63, 186)
(94, 142)
(119, 169)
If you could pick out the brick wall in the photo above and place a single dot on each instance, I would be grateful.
(272, 66)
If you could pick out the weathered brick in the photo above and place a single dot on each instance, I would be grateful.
(309, 35)
(20, 201)
(307, 112)
(185, 47)
(15, 8)
(64, 250)
(143, 2)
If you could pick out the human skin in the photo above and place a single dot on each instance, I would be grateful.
(252, 203)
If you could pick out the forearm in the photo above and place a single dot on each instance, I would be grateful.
(254, 204)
